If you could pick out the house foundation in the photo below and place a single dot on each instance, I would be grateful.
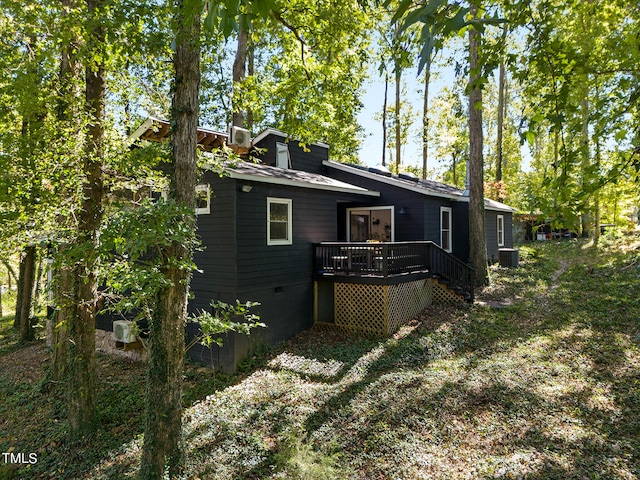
(106, 344)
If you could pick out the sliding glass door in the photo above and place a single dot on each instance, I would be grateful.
(372, 223)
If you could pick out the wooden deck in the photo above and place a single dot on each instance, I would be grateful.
(361, 261)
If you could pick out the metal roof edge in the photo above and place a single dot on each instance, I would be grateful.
(498, 206)
(302, 184)
(391, 181)
(488, 203)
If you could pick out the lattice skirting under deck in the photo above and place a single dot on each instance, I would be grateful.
(444, 295)
(380, 309)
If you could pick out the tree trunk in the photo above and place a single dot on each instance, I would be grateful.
(477, 240)
(384, 119)
(10, 273)
(586, 219)
(19, 293)
(26, 299)
(425, 120)
(501, 111)
(81, 368)
(596, 199)
(454, 161)
(67, 109)
(65, 297)
(69, 92)
(163, 426)
(398, 72)
(556, 149)
(239, 69)
(251, 50)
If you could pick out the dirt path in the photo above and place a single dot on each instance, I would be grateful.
(493, 297)
(564, 265)
(25, 365)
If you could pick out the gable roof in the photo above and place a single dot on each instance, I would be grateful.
(498, 206)
(424, 187)
(272, 131)
(293, 178)
(158, 130)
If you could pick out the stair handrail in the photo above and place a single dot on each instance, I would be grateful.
(450, 268)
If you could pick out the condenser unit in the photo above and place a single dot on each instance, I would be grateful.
(239, 137)
(123, 331)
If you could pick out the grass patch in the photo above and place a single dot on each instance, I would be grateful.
(540, 379)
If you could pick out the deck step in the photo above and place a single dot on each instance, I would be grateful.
(454, 289)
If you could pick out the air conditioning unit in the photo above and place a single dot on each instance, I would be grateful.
(240, 137)
(123, 331)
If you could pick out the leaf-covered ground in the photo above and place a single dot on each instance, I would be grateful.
(540, 379)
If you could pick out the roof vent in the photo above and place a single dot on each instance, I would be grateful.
(380, 170)
(408, 176)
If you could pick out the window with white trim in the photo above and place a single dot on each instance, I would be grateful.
(445, 229)
(501, 230)
(279, 225)
(203, 199)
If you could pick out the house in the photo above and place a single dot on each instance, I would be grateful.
(315, 240)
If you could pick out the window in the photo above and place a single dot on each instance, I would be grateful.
(372, 223)
(203, 199)
(279, 231)
(501, 230)
(162, 193)
(445, 228)
(282, 155)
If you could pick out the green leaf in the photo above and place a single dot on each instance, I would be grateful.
(621, 135)
(458, 22)
(425, 14)
(402, 8)
(427, 48)
(530, 136)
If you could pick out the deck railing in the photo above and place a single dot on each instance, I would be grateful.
(390, 259)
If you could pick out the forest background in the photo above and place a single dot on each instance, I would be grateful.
(567, 98)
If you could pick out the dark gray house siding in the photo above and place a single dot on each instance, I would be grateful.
(408, 225)
(491, 233)
(460, 232)
(309, 160)
(421, 220)
(237, 262)
(217, 233)
(280, 276)
(491, 229)
(422, 212)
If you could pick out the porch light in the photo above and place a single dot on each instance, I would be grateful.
(247, 188)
